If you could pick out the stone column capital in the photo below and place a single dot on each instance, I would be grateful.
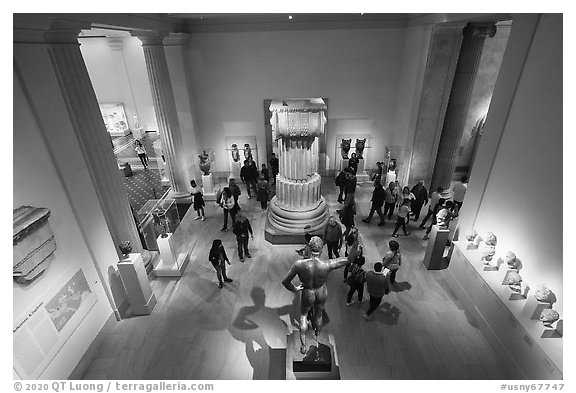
(115, 43)
(149, 37)
(46, 29)
(479, 29)
(177, 39)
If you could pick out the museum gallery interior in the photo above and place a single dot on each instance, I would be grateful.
(115, 114)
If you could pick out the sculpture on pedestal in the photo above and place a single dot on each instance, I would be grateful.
(345, 148)
(549, 316)
(513, 280)
(313, 274)
(298, 203)
(204, 162)
(471, 235)
(125, 248)
(543, 294)
(160, 221)
(360, 144)
(235, 153)
(511, 260)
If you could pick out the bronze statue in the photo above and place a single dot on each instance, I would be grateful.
(360, 144)
(313, 274)
(345, 146)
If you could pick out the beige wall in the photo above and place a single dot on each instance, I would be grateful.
(357, 70)
(37, 183)
(515, 186)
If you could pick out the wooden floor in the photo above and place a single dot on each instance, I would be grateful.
(198, 331)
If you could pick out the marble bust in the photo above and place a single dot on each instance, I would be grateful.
(345, 148)
(542, 293)
(549, 316)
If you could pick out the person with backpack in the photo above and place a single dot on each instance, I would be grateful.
(356, 278)
(217, 256)
(377, 286)
(262, 192)
(227, 204)
(378, 196)
(341, 182)
(242, 228)
(235, 190)
(198, 200)
(392, 260)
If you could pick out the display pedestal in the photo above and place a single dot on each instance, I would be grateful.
(138, 133)
(361, 174)
(120, 132)
(135, 280)
(317, 363)
(533, 308)
(434, 258)
(556, 332)
(169, 265)
(390, 177)
(344, 163)
(208, 188)
(235, 170)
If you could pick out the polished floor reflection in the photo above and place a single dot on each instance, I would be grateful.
(198, 331)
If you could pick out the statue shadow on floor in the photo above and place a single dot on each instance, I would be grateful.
(400, 286)
(387, 313)
(263, 333)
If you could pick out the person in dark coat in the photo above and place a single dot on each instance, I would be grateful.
(248, 175)
(264, 173)
(357, 278)
(421, 194)
(218, 258)
(353, 162)
(274, 164)
(378, 196)
(262, 192)
(340, 181)
(242, 228)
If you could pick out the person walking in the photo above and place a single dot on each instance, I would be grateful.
(242, 228)
(262, 193)
(248, 177)
(402, 220)
(348, 211)
(198, 200)
(274, 164)
(390, 199)
(459, 191)
(353, 163)
(392, 260)
(377, 286)
(141, 153)
(340, 181)
(351, 241)
(434, 199)
(264, 173)
(356, 278)
(218, 258)
(351, 182)
(421, 194)
(378, 196)
(228, 205)
(333, 237)
(235, 190)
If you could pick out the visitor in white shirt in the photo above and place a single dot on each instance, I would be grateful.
(459, 191)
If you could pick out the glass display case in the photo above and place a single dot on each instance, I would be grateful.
(160, 221)
(115, 119)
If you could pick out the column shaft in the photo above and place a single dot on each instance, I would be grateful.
(460, 95)
(166, 116)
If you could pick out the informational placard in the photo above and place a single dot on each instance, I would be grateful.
(43, 330)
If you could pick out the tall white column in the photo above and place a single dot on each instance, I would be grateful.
(175, 47)
(165, 109)
(116, 44)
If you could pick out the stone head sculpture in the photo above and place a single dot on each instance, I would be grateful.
(235, 153)
(549, 316)
(360, 144)
(345, 148)
(125, 248)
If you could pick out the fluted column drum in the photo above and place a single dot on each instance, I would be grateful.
(298, 206)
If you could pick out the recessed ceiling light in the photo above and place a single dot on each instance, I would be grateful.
(290, 17)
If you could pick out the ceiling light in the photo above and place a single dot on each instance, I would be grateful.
(290, 17)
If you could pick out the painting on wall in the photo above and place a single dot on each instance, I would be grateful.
(68, 300)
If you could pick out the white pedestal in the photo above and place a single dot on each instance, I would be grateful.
(170, 265)
(390, 177)
(164, 181)
(361, 174)
(344, 163)
(135, 280)
(208, 188)
(120, 133)
(235, 170)
(138, 133)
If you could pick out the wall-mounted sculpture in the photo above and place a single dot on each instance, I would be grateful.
(33, 243)
(345, 148)
(235, 153)
(360, 144)
(298, 201)
(247, 151)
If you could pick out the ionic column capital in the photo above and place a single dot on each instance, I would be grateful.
(479, 29)
(177, 39)
(149, 37)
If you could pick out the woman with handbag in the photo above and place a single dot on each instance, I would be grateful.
(403, 213)
(218, 258)
(392, 260)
